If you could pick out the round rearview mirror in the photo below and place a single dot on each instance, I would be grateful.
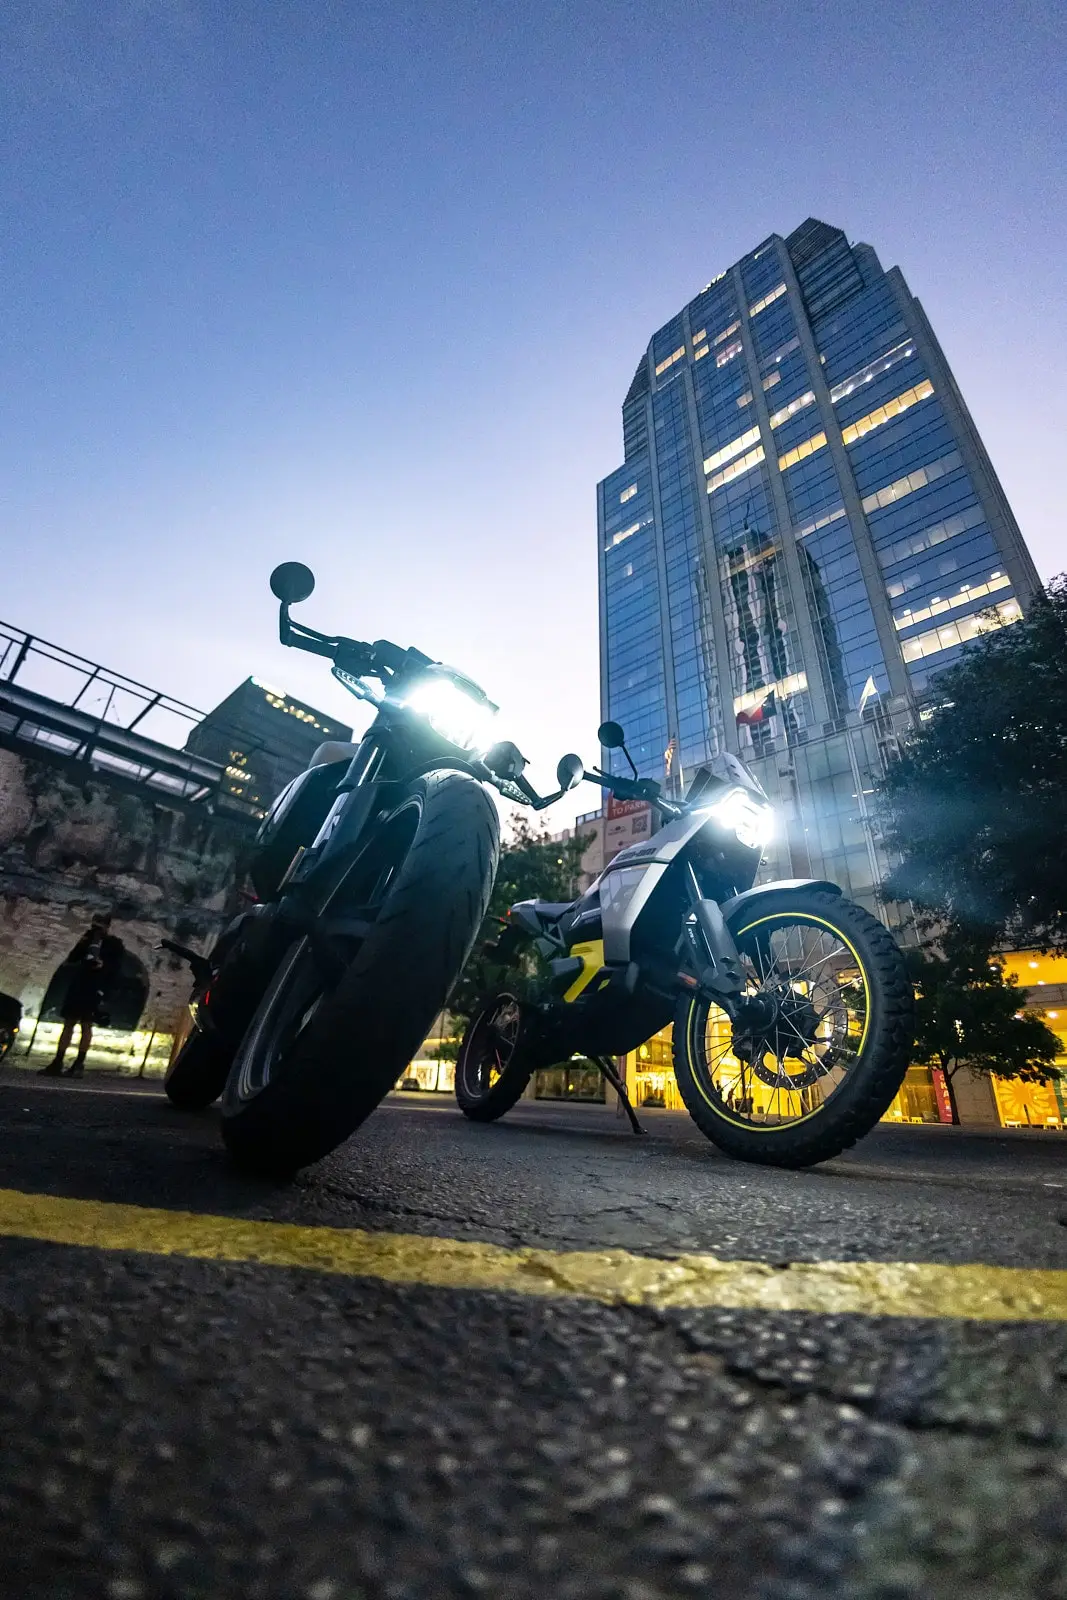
(292, 581)
(570, 772)
(611, 735)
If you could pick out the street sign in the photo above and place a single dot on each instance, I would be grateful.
(626, 808)
(627, 822)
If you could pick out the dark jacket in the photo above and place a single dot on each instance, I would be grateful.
(94, 963)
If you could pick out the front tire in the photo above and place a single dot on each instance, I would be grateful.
(841, 1048)
(316, 1062)
(490, 1076)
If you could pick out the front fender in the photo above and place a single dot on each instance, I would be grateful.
(783, 886)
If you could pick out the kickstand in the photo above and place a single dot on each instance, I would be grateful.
(607, 1069)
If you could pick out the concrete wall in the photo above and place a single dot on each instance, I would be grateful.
(69, 848)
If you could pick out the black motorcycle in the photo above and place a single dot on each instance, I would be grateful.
(373, 870)
(791, 1005)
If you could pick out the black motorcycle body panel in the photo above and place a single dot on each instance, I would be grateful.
(292, 823)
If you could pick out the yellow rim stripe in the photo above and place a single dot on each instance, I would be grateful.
(794, 1122)
(613, 1277)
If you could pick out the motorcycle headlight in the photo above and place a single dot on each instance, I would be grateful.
(453, 713)
(751, 822)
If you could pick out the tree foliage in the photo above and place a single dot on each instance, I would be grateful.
(968, 1014)
(532, 866)
(974, 807)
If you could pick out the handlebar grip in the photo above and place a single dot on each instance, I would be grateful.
(353, 656)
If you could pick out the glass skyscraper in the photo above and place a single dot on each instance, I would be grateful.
(806, 529)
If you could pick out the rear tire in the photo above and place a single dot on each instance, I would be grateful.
(311, 1067)
(881, 1060)
(197, 1075)
(481, 1096)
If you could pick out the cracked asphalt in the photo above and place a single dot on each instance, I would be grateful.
(176, 1427)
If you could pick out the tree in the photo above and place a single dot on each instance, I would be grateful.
(967, 1014)
(532, 866)
(974, 807)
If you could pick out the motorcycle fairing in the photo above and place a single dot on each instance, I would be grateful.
(628, 882)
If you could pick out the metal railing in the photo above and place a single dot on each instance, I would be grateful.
(67, 709)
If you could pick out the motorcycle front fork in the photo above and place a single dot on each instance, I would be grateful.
(716, 964)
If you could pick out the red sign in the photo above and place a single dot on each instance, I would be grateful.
(628, 822)
(625, 808)
(941, 1095)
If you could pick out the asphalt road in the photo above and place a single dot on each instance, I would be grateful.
(181, 1427)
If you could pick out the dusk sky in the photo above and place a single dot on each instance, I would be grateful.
(364, 285)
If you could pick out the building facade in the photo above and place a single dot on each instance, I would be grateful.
(806, 527)
(263, 738)
(805, 530)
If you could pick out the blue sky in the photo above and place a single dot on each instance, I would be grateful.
(364, 285)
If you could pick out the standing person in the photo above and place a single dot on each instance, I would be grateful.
(95, 959)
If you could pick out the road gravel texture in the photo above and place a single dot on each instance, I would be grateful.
(171, 1427)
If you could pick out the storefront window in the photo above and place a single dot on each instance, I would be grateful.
(915, 1101)
(429, 1076)
(653, 1075)
(573, 1080)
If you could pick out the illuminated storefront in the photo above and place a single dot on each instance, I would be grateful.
(651, 1082)
(1037, 1105)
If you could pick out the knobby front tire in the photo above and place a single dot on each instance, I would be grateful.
(490, 1076)
(879, 1059)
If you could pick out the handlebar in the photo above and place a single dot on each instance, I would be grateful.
(646, 789)
(381, 659)
(520, 789)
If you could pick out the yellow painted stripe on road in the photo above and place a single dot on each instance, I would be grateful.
(614, 1277)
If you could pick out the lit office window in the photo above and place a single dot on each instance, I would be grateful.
(892, 408)
(627, 494)
(698, 355)
(726, 332)
(745, 399)
(770, 380)
(728, 353)
(967, 593)
(874, 369)
(624, 533)
(671, 359)
(792, 408)
(801, 451)
(795, 683)
(768, 299)
(820, 522)
(953, 633)
(735, 469)
(732, 449)
(914, 480)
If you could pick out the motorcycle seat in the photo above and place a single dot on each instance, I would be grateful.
(551, 910)
(535, 916)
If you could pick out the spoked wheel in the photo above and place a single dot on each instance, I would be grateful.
(490, 1076)
(340, 1021)
(825, 1042)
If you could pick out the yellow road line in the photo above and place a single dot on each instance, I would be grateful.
(614, 1277)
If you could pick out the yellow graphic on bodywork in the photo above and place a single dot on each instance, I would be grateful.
(592, 958)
